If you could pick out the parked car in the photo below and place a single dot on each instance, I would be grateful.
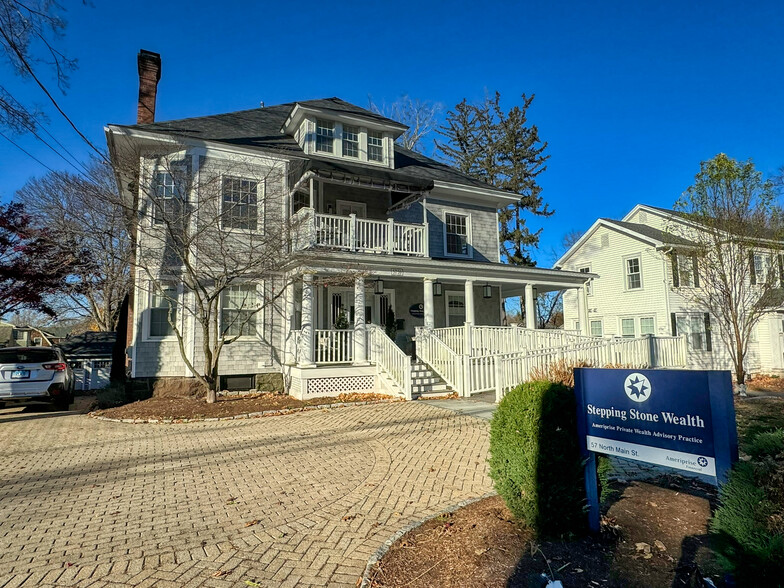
(35, 374)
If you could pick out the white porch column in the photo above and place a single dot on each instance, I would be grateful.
(470, 316)
(360, 328)
(582, 310)
(307, 335)
(530, 307)
(430, 320)
(291, 352)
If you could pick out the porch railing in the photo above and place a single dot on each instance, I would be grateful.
(333, 346)
(349, 233)
(439, 356)
(390, 359)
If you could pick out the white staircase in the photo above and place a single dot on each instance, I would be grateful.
(426, 383)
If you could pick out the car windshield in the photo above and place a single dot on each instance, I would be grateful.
(27, 355)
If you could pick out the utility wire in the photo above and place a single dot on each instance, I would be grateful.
(23, 150)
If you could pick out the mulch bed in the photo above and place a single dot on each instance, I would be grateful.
(758, 414)
(653, 535)
(227, 406)
(766, 385)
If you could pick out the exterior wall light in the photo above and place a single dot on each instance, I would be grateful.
(378, 286)
(487, 291)
(438, 288)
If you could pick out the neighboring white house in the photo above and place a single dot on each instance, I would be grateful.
(423, 235)
(641, 277)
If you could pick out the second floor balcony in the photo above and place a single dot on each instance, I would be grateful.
(352, 233)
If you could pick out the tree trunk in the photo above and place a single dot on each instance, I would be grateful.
(212, 395)
(740, 373)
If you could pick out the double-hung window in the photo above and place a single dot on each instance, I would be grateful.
(456, 228)
(627, 327)
(239, 309)
(167, 198)
(163, 310)
(375, 141)
(693, 326)
(596, 328)
(686, 267)
(240, 204)
(325, 136)
(647, 325)
(633, 274)
(350, 141)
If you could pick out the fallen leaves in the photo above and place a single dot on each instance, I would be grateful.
(251, 523)
(221, 573)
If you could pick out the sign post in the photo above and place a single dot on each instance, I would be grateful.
(682, 419)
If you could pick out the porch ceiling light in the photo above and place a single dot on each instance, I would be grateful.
(487, 291)
(438, 288)
(378, 286)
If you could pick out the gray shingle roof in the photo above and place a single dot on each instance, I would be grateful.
(652, 233)
(260, 128)
(89, 344)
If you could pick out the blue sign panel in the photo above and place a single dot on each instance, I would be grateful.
(682, 419)
(417, 310)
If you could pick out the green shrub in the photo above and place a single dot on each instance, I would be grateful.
(535, 459)
(766, 444)
(746, 527)
(604, 469)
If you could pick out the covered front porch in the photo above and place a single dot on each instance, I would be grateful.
(376, 316)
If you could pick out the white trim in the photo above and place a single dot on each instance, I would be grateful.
(453, 294)
(608, 224)
(599, 320)
(469, 233)
(261, 208)
(647, 316)
(150, 292)
(626, 259)
(259, 336)
(589, 283)
(632, 318)
(351, 203)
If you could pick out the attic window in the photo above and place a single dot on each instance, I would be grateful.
(375, 146)
(325, 136)
(350, 141)
(643, 216)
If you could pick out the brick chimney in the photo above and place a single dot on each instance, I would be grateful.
(149, 75)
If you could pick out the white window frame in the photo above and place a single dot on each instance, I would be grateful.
(594, 321)
(689, 319)
(147, 316)
(380, 146)
(357, 132)
(155, 209)
(687, 261)
(621, 320)
(362, 205)
(454, 294)
(320, 124)
(469, 236)
(627, 274)
(260, 204)
(586, 269)
(653, 328)
(259, 316)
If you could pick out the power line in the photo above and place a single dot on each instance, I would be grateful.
(23, 150)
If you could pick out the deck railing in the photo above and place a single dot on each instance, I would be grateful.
(334, 346)
(349, 233)
(390, 359)
(439, 356)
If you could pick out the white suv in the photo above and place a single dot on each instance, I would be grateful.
(35, 374)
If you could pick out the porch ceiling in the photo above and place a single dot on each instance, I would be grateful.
(401, 268)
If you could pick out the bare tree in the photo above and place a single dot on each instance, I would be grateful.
(549, 305)
(82, 213)
(734, 269)
(419, 115)
(212, 247)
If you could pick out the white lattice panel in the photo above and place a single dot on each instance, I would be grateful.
(342, 385)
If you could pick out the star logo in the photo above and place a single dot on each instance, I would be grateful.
(637, 387)
(702, 462)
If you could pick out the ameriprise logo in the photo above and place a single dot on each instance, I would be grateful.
(637, 387)
(702, 462)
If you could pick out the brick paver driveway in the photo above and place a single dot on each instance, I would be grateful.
(294, 500)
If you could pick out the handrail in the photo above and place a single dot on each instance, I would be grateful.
(390, 359)
(439, 356)
(334, 346)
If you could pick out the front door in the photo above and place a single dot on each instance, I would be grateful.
(381, 305)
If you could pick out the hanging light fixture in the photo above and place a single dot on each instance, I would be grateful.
(438, 288)
(487, 291)
(378, 286)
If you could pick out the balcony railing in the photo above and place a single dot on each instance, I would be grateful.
(349, 233)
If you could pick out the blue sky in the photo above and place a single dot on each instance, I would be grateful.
(631, 96)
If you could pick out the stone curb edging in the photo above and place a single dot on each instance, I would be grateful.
(382, 551)
(243, 416)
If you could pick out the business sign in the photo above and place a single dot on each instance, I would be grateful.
(417, 310)
(683, 419)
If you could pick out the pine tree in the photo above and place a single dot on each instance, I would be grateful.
(503, 150)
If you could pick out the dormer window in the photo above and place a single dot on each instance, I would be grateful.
(350, 141)
(375, 146)
(325, 136)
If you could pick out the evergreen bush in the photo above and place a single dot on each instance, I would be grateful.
(766, 444)
(535, 458)
(748, 526)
